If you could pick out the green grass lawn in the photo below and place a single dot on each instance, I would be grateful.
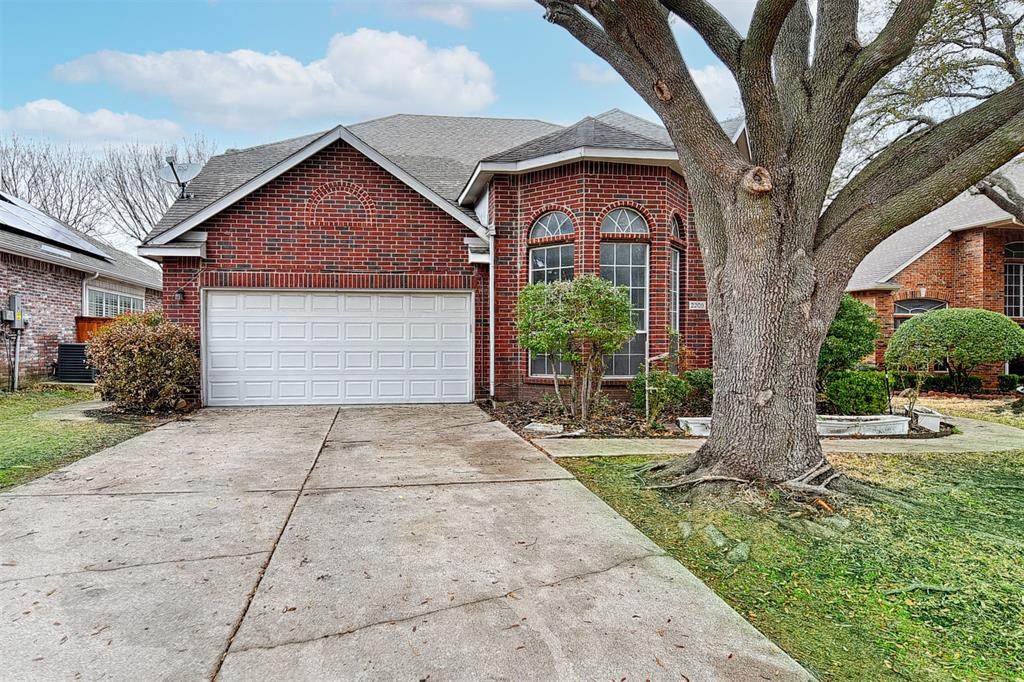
(31, 447)
(825, 601)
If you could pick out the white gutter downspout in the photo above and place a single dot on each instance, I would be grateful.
(490, 306)
(85, 293)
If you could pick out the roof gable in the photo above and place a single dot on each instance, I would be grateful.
(588, 132)
(290, 160)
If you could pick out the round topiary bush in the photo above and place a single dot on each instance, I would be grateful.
(961, 338)
(859, 393)
(145, 363)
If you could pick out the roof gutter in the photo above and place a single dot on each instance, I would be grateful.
(71, 265)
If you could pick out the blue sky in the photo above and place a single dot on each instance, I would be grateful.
(246, 72)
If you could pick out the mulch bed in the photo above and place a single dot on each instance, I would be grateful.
(615, 419)
(612, 419)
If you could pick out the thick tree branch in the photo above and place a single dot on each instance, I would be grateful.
(905, 162)
(757, 82)
(1002, 192)
(712, 27)
(635, 38)
(835, 37)
(892, 45)
(792, 51)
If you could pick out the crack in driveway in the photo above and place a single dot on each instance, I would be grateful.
(449, 607)
(90, 569)
(273, 548)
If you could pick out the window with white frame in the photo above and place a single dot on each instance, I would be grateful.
(624, 264)
(673, 273)
(1013, 280)
(110, 304)
(907, 308)
(551, 263)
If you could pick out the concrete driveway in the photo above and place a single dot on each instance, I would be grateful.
(407, 543)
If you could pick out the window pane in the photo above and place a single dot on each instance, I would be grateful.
(625, 264)
(624, 221)
(551, 225)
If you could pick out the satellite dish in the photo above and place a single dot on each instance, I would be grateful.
(179, 173)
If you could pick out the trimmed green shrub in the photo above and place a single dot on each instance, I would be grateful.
(858, 393)
(577, 321)
(702, 393)
(667, 391)
(939, 383)
(145, 363)
(960, 338)
(1010, 382)
(851, 337)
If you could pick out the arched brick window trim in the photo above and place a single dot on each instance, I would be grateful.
(317, 197)
(636, 207)
(549, 208)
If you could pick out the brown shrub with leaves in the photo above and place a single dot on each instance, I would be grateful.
(145, 363)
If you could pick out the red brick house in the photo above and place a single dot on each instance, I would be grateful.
(355, 265)
(966, 254)
(62, 275)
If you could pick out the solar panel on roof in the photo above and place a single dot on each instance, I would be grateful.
(23, 217)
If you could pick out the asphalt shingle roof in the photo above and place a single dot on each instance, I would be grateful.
(439, 151)
(967, 210)
(121, 266)
(588, 132)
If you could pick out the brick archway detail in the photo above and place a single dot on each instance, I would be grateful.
(313, 214)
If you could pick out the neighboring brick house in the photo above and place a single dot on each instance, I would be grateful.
(966, 254)
(354, 265)
(62, 275)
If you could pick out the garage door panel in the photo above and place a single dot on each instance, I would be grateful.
(363, 347)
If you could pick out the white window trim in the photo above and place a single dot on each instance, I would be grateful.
(1019, 312)
(90, 289)
(647, 301)
(675, 317)
(529, 280)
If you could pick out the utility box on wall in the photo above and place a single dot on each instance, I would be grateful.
(15, 316)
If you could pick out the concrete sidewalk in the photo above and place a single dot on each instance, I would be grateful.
(424, 542)
(974, 436)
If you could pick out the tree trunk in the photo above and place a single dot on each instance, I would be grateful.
(770, 311)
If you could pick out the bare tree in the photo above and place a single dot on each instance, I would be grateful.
(133, 197)
(58, 179)
(777, 257)
(967, 52)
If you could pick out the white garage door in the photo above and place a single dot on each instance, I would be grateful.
(301, 348)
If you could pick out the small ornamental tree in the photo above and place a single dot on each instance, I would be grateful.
(962, 338)
(577, 322)
(145, 363)
(851, 336)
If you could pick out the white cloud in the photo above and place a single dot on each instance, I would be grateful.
(53, 118)
(719, 89)
(598, 74)
(458, 13)
(364, 73)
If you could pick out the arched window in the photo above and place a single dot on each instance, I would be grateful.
(553, 224)
(624, 221)
(677, 227)
(624, 263)
(1013, 280)
(551, 263)
(907, 308)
